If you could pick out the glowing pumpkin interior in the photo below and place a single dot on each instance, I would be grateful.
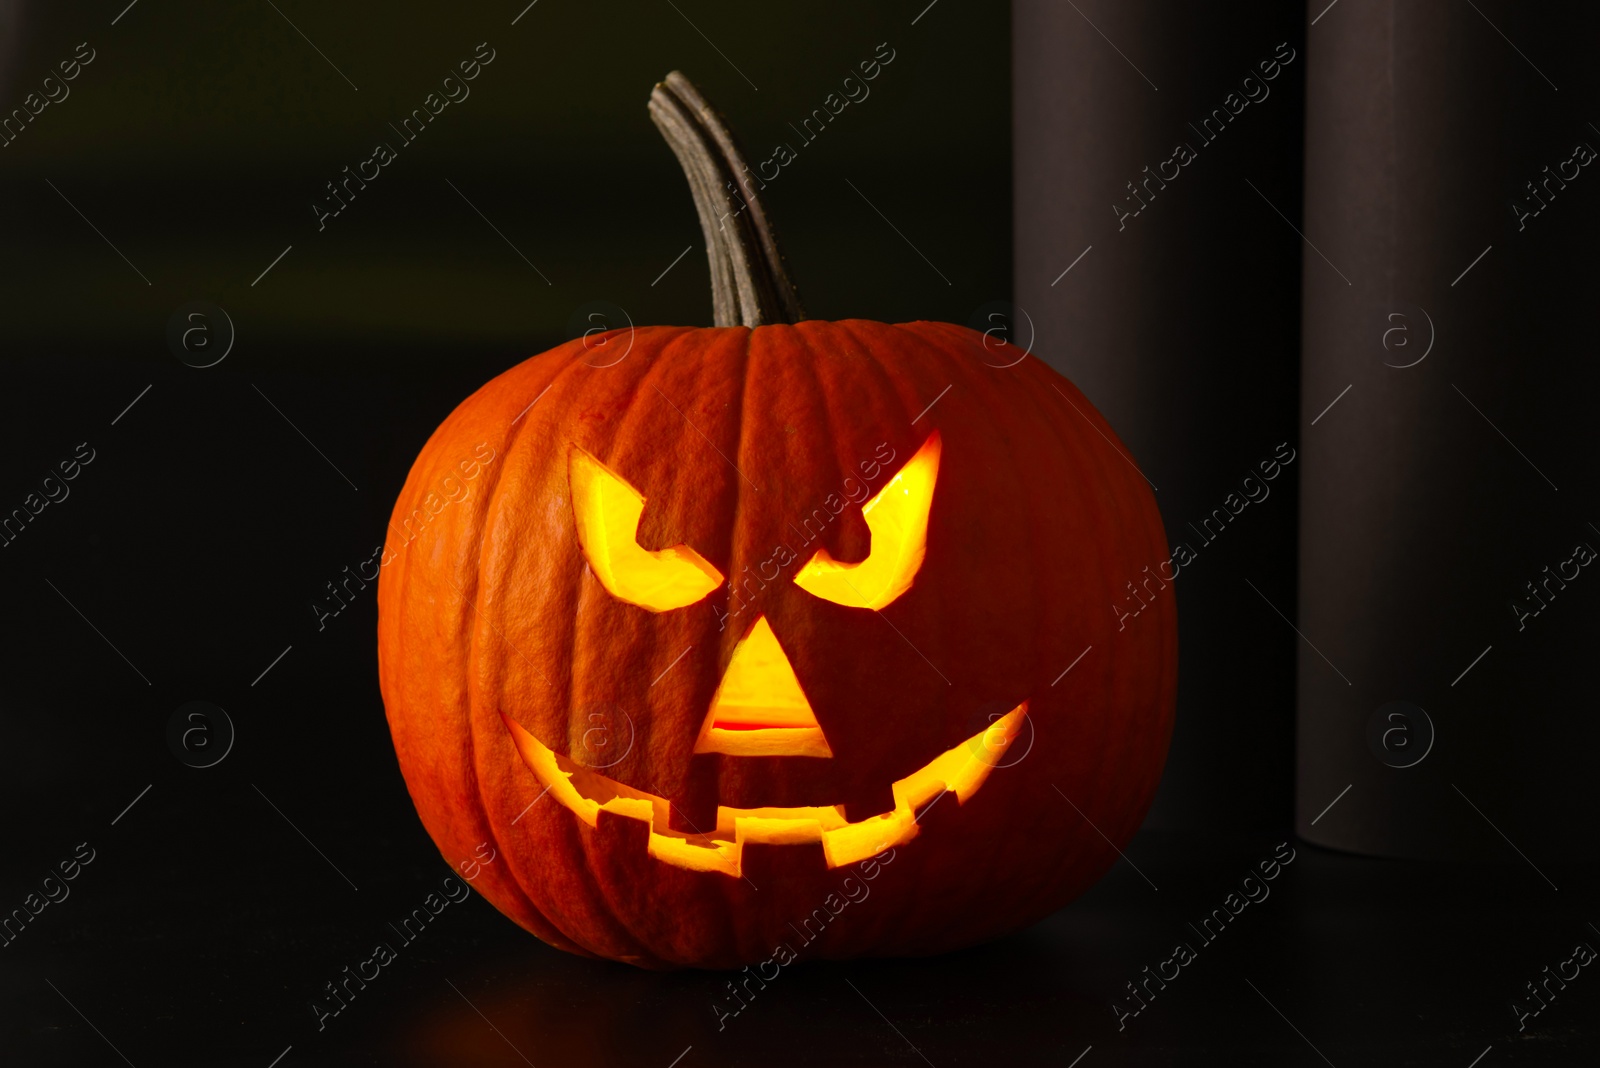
(606, 511)
(760, 707)
(898, 520)
(960, 770)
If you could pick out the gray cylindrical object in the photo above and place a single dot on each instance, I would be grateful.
(1181, 325)
(1447, 434)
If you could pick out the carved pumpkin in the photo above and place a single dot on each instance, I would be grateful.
(776, 638)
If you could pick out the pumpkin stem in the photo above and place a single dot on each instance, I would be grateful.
(749, 285)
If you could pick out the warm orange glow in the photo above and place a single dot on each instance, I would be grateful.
(961, 771)
(606, 511)
(898, 520)
(759, 708)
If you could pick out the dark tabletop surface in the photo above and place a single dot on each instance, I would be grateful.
(206, 924)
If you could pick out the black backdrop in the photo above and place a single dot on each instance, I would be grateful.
(185, 562)
(1181, 322)
(216, 509)
(183, 160)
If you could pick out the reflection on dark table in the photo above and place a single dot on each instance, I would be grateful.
(203, 933)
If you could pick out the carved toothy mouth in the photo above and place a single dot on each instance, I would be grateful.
(960, 770)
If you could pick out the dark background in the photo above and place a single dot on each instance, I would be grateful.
(191, 549)
(1439, 491)
(1182, 325)
(200, 536)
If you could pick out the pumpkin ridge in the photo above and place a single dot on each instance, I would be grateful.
(899, 389)
(677, 354)
(955, 342)
(1009, 402)
(951, 357)
(958, 365)
(902, 387)
(403, 593)
(1124, 526)
(492, 509)
(563, 923)
(573, 835)
(999, 406)
(747, 381)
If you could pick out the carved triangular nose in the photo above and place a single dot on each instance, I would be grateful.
(759, 708)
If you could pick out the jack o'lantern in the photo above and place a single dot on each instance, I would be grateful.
(688, 671)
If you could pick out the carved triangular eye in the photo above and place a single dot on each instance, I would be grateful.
(606, 511)
(898, 520)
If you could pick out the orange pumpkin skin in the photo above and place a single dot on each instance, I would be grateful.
(487, 609)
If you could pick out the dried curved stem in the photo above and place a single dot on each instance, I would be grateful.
(749, 285)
